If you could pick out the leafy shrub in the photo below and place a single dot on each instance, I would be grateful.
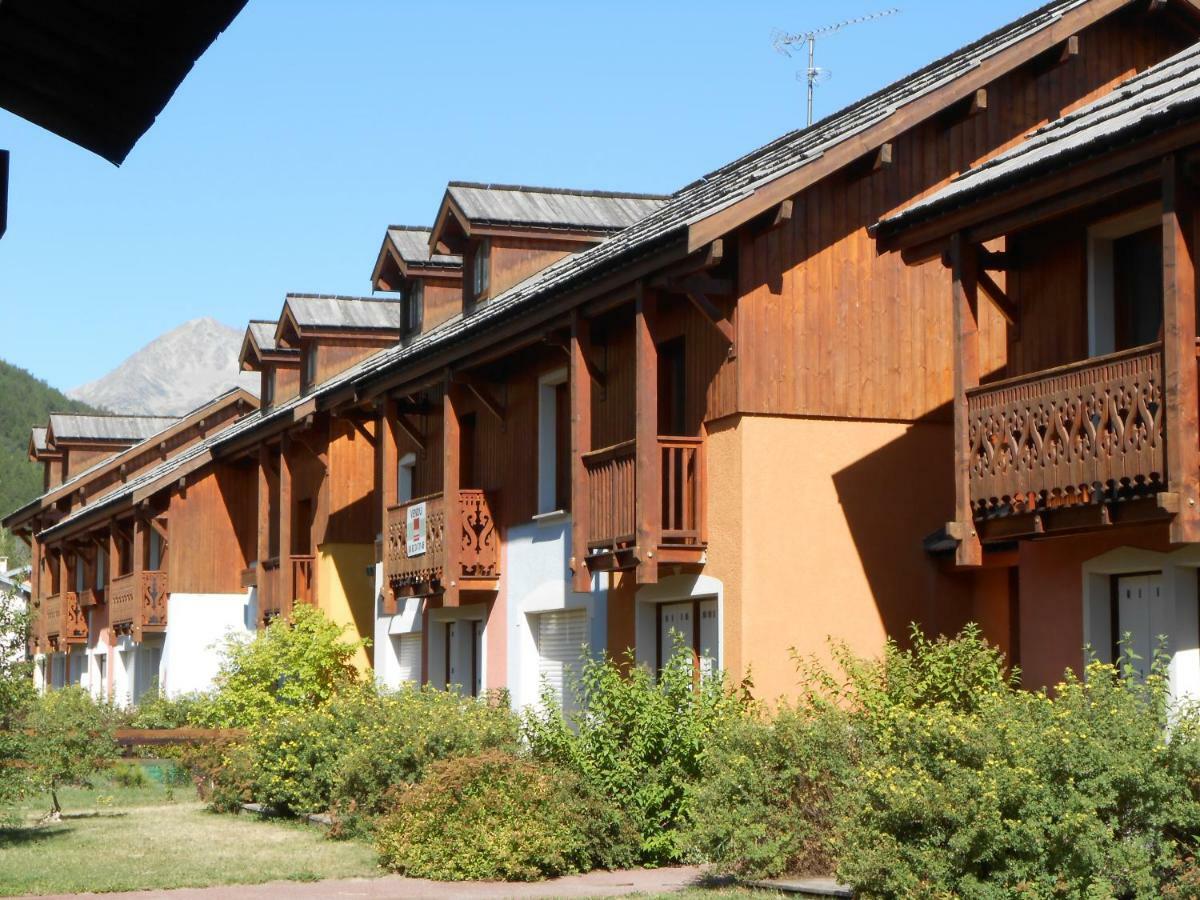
(156, 710)
(128, 775)
(297, 664)
(70, 739)
(766, 803)
(995, 791)
(499, 816)
(401, 734)
(222, 772)
(637, 740)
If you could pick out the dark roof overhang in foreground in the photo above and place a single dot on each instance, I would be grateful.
(98, 72)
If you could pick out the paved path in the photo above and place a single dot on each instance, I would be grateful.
(594, 884)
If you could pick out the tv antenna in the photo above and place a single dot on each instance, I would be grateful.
(783, 42)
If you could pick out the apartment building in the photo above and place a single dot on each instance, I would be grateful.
(729, 416)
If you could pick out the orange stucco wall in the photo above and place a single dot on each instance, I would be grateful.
(1051, 596)
(815, 531)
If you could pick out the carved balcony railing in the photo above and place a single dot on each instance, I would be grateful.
(421, 571)
(304, 579)
(138, 603)
(72, 620)
(52, 617)
(37, 626)
(1089, 432)
(611, 496)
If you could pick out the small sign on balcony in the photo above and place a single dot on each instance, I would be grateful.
(416, 529)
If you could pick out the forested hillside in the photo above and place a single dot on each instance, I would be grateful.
(25, 401)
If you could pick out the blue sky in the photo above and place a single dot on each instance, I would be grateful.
(310, 125)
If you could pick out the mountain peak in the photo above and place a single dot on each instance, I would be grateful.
(174, 373)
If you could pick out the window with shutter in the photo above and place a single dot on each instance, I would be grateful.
(408, 657)
(560, 638)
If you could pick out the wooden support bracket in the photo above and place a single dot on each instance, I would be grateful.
(1000, 300)
(968, 107)
(482, 392)
(411, 431)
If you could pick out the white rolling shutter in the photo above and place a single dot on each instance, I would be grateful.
(408, 657)
(709, 637)
(560, 639)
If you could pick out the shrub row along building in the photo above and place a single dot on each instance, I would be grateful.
(931, 360)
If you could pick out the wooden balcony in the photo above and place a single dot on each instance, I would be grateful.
(137, 603)
(91, 597)
(1079, 446)
(612, 504)
(64, 621)
(423, 572)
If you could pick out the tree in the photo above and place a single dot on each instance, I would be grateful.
(69, 739)
(16, 694)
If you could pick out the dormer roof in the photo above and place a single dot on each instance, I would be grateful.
(405, 254)
(258, 346)
(38, 448)
(320, 314)
(67, 428)
(471, 208)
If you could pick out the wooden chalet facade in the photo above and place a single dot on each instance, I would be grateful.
(731, 415)
(1078, 460)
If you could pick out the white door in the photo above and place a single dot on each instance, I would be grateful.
(676, 625)
(1139, 599)
(560, 637)
(408, 658)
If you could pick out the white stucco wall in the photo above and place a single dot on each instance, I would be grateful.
(538, 579)
(197, 625)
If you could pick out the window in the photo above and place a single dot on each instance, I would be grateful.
(480, 267)
(80, 575)
(101, 567)
(406, 472)
(1125, 288)
(560, 638)
(310, 366)
(413, 307)
(268, 387)
(154, 557)
(554, 443)
(407, 648)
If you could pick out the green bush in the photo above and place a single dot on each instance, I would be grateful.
(991, 791)
(637, 740)
(156, 710)
(128, 775)
(767, 800)
(222, 772)
(291, 665)
(401, 734)
(497, 816)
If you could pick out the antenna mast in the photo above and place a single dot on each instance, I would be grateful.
(783, 41)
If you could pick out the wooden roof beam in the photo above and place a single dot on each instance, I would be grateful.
(970, 106)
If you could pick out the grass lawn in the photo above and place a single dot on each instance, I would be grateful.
(118, 838)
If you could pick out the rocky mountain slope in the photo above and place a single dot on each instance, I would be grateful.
(174, 373)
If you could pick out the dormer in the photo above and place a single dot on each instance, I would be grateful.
(279, 367)
(506, 233)
(333, 332)
(429, 284)
(81, 441)
(50, 459)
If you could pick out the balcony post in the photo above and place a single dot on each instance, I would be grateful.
(139, 566)
(648, 466)
(287, 584)
(964, 274)
(581, 443)
(113, 568)
(451, 482)
(264, 515)
(1182, 417)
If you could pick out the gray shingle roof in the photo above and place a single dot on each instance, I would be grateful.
(38, 438)
(262, 332)
(412, 245)
(504, 204)
(1149, 101)
(65, 427)
(322, 311)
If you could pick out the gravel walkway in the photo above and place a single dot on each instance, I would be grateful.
(594, 884)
